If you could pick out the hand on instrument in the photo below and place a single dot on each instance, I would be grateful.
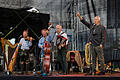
(31, 39)
(63, 45)
(90, 42)
(78, 14)
(101, 46)
(41, 46)
(20, 44)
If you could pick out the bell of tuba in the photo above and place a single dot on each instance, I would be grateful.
(88, 55)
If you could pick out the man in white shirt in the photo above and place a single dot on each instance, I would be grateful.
(25, 43)
(61, 43)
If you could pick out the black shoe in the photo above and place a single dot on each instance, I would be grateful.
(61, 73)
(22, 72)
(92, 73)
(44, 74)
(64, 73)
(101, 73)
(26, 72)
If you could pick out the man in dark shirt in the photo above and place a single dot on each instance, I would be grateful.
(97, 39)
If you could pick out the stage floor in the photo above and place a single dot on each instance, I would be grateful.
(74, 76)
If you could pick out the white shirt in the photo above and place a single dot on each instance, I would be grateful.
(25, 44)
(64, 35)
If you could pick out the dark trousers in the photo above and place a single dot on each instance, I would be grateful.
(97, 51)
(61, 57)
(24, 60)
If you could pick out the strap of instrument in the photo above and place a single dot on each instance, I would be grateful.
(45, 39)
(62, 33)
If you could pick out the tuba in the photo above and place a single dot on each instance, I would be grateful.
(88, 56)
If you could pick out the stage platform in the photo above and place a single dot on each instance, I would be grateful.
(80, 76)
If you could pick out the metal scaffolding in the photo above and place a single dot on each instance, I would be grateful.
(61, 12)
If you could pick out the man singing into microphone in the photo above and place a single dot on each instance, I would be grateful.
(97, 39)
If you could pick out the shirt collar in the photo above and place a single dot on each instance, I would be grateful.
(60, 33)
(98, 25)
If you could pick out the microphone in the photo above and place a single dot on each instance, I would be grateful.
(94, 24)
(19, 36)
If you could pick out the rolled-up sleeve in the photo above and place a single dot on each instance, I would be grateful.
(30, 43)
(40, 43)
(21, 40)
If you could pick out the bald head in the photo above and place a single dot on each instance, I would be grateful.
(97, 20)
(97, 17)
(59, 28)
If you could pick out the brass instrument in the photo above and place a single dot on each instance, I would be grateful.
(88, 56)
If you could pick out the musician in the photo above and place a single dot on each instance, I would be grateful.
(97, 39)
(25, 44)
(61, 42)
(41, 44)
